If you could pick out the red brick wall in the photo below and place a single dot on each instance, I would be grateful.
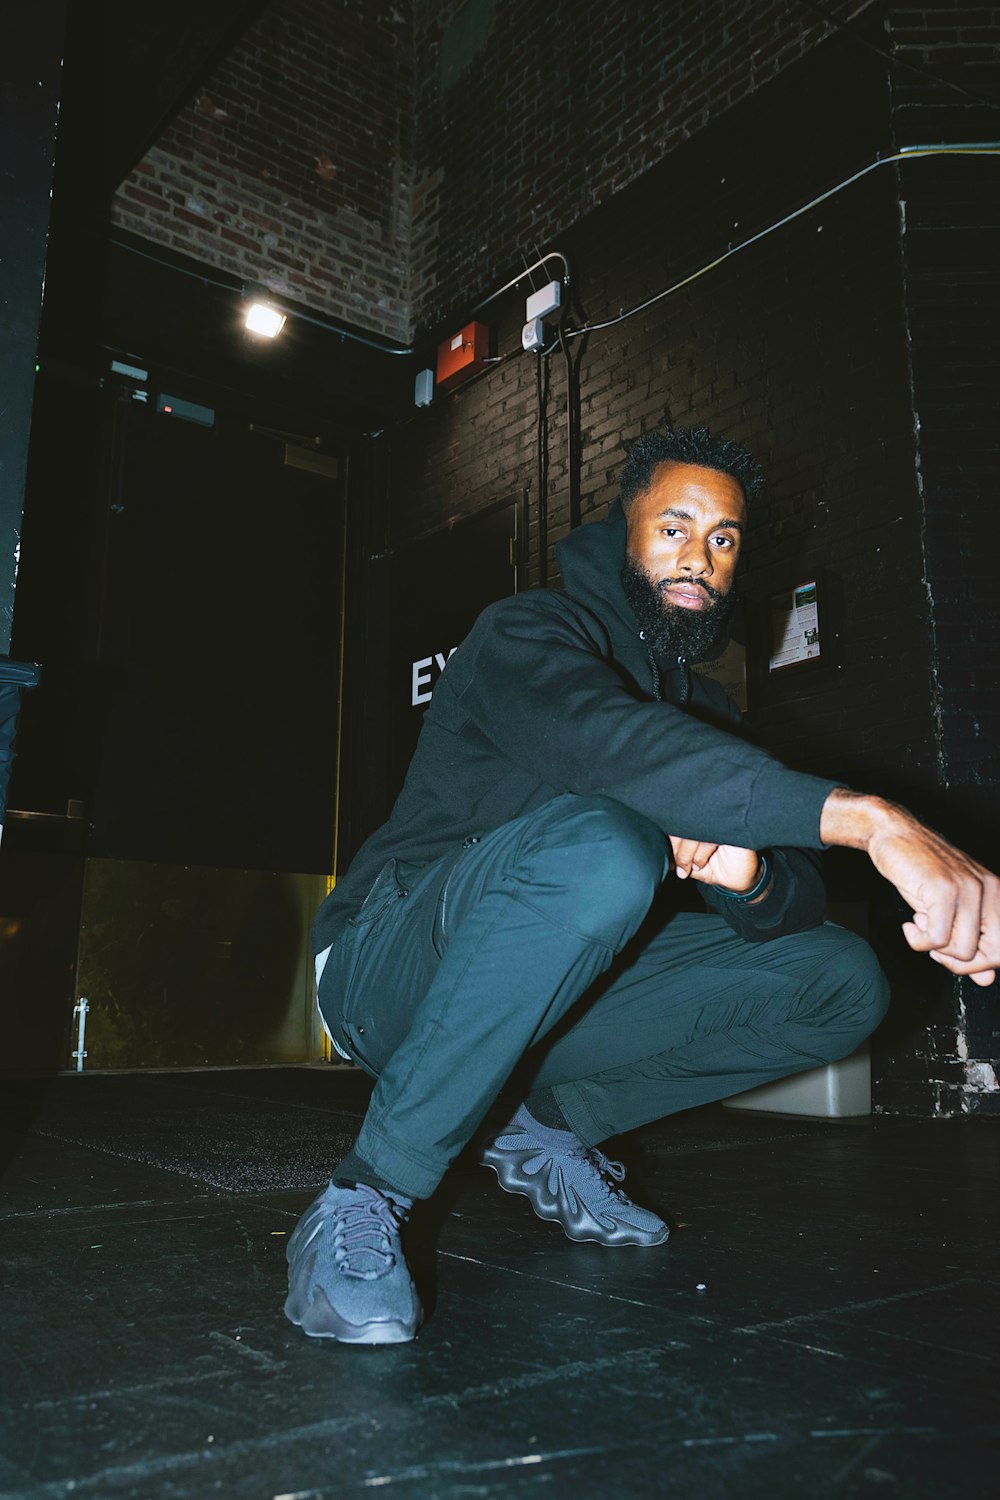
(290, 167)
(326, 157)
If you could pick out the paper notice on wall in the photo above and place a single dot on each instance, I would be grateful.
(794, 626)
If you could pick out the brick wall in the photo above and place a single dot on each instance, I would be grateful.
(794, 346)
(562, 105)
(330, 158)
(947, 75)
(291, 166)
(643, 142)
(826, 347)
(802, 347)
(951, 241)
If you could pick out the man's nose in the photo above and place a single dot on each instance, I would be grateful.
(695, 558)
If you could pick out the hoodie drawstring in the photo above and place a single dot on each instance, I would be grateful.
(685, 692)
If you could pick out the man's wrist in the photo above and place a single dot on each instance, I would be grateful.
(851, 820)
(761, 881)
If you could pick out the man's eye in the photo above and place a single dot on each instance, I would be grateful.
(671, 531)
(724, 541)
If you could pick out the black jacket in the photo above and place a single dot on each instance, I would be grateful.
(555, 691)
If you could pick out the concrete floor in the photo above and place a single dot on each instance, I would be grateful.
(823, 1321)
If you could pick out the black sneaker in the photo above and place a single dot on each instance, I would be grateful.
(347, 1278)
(578, 1188)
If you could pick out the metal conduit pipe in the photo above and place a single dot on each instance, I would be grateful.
(516, 281)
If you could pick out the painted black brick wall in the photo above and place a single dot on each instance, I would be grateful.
(551, 107)
(796, 346)
(865, 380)
(951, 217)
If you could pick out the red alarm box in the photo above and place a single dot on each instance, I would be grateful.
(462, 354)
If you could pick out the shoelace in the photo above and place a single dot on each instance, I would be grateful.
(607, 1169)
(364, 1230)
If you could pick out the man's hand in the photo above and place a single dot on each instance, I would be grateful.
(724, 865)
(955, 901)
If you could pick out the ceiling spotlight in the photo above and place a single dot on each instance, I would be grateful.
(264, 319)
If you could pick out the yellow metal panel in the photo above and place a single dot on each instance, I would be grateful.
(185, 966)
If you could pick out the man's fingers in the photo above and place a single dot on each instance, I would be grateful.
(952, 924)
(690, 854)
(915, 933)
(943, 918)
(681, 849)
(967, 928)
(955, 901)
(981, 968)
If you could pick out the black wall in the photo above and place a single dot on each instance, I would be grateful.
(29, 98)
(797, 346)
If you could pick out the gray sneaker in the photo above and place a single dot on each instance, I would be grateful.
(347, 1278)
(577, 1188)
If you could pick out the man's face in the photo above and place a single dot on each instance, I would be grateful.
(684, 536)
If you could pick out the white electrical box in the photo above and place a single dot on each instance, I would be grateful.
(423, 388)
(540, 304)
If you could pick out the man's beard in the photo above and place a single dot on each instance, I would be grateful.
(671, 631)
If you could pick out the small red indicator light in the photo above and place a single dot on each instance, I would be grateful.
(168, 408)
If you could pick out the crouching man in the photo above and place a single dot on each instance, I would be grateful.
(515, 922)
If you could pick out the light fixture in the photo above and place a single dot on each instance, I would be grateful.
(264, 319)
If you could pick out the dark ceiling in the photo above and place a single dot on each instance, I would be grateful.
(127, 70)
(144, 62)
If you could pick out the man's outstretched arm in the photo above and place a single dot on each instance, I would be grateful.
(955, 900)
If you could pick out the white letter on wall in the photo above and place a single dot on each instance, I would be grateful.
(421, 679)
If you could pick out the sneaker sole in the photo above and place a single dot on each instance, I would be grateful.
(333, 1326)
(611, 1240)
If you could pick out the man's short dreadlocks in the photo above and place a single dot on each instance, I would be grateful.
(687, 445)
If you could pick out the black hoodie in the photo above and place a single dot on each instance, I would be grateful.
(555, 691)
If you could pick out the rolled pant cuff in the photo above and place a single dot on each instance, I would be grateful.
(578, 1115)
(415, 1175)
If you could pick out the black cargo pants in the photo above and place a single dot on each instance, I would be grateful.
(526, 949)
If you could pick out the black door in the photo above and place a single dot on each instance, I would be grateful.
(438, 587)
(219, 650)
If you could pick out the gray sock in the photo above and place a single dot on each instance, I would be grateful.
(563, 1139)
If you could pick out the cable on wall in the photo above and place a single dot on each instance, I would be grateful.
(541, 394)
(565, 334)
(573, 408)
(541, 454)
(515, 281)
(905, 153)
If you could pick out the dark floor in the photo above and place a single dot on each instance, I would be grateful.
(823, 1322)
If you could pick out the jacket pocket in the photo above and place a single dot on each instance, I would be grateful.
(337, 984)
(387, 889)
